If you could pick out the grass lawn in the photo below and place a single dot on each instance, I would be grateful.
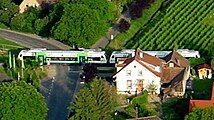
(202, 88)
(6, 44)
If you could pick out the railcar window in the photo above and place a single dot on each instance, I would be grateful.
(94, 58)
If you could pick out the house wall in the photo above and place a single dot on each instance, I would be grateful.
(205, 73)
(147, 77)
(184, 81)
(23, 5)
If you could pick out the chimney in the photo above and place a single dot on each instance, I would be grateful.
(141, 54)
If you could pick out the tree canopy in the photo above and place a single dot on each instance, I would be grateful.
(175, 109)
(81, 25)
(201, 114)
(7, 11)
(80, 22)
(25, 22)
(96, 101)
(21, 101)
(104, 8)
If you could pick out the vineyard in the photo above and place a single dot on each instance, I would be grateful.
(180, 25)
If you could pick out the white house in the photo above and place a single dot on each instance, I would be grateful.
(138, 73)
(146, 72)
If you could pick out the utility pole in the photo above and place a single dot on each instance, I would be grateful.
(10, 59)
(14, 62)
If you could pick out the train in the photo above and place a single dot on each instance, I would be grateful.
(45, 56)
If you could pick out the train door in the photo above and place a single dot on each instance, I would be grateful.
(82, 59)
(40, 57)
(41, 60)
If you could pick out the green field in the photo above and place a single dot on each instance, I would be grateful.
(6, 44)
(183, 24)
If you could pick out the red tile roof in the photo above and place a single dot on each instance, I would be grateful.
(169, 73)
(176, 58)
(145, 58)
(202, 103)
(204, 66)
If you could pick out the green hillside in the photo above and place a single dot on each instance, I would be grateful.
(183, 24)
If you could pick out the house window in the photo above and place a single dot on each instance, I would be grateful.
(129, 84)
(140, 85)
(171, 64)
(128, 72)
(140, 73)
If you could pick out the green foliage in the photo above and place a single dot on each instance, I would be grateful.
(196, 61)
(136, 25)
(2, 25)
(5, 3)
(95, 101)
(31, 74)
(201, 114)
(121, 5)
(104, 8)
(81, 25)
(178, 24)
(40, 26)
(202, 88)
(138, 106)
(82, 22)
(21, 101)
(25, 22)
(7, 11)
(175, 109)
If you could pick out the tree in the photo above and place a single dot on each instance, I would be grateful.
(25, 22)
(137, 7)
(7, 10)
(104, 8)
(120, 5)
(79, 24)
(152, 88)
(5, 3)
(21, 101)
(175, 109)
(138, 105)
(196, 61)
(95, 101)
(40, 26)
(201, 114)
(89, 72)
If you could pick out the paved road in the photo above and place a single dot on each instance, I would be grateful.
(32, 41)
(104, 41)
(59, 91)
